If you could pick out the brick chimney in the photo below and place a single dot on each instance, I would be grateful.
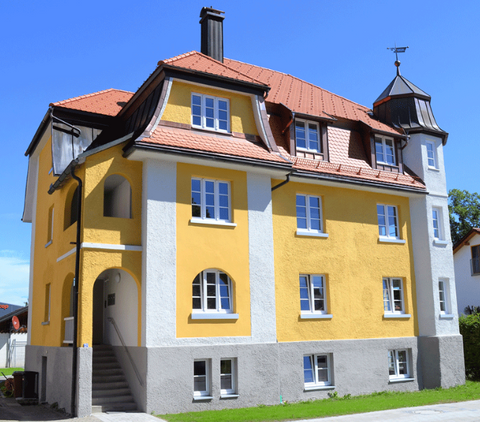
(211, 21)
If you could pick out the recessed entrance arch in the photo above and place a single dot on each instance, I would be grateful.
(115, 308)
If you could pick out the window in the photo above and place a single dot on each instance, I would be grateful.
(46, 315)
(71, 207)
(309, 214)
(475, 262)
(201, 378)
(387, 221)
(210, 200)
(385, 151)
(227, 377)
(212, 294)
(393, 296)
(431, 155)
(50, 226)
(313, 299)
(307, 135)
(210, 113)
(398, 366)
(117, 198)
(316, 370)
(443, 292)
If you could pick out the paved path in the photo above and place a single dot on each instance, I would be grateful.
(467, 411)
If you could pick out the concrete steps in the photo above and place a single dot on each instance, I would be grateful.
(110, 390)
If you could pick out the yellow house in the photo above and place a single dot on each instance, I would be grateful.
(229, 235)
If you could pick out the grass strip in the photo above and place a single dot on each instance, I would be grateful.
(334, 406)
(8, 371)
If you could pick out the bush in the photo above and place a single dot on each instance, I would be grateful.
(470, 330)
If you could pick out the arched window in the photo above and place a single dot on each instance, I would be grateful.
(212, 292)
(117, 199)
(71, 207)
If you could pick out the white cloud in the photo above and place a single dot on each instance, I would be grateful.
(14, 274)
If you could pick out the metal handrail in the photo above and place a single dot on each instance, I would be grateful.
(126, 350)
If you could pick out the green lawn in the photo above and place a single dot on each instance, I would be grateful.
(8, 371)
(334, 406)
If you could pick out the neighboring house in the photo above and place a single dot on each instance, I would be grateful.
(238, 236)
(7, 308)
(466, 257)
(13, 340)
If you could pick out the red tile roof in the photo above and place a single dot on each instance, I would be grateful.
(108, 102)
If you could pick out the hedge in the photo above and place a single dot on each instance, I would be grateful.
(470, 330)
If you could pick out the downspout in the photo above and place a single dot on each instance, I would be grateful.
(75, 292)
(282, 183)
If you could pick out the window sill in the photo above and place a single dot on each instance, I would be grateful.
(447, 316)
(315, 316)
(394, 380)
(397, 316)
(433, 168)
(439, 242)
(312, 234)
(319, 387)
(209, 129)
(46, 323)
(200, 398)
(212, 222)
(385, 239)
(206, 315)
(48, 243)
(229, 396)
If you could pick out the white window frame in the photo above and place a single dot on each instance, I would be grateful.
(383, 211)
(444, 299)
(310, 290)
(307, 124)
(216, 113)
(202, 394)
(228, 392)
(217, 207)
(395, 362)
(391, 286)
(212, 313)
(316, 384)
(432, 159)
(309, 230)
(380, 140)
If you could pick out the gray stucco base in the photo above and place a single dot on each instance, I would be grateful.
(442, 361)
(55, 383)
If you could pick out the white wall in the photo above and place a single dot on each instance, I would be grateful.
(468, 286)
(17, 357)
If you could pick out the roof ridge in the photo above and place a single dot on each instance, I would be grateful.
(68, 100)
(304, 81)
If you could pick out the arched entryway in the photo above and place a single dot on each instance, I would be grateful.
(115, 308)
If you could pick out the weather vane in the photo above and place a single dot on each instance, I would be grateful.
(397, 50)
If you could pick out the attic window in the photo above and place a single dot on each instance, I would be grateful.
(307, 136)
(385, 151)
(210, 113)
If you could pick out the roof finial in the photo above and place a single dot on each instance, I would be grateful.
(397, 50)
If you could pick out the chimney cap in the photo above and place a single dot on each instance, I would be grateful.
(211, 11)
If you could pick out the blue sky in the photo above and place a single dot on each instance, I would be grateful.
(55, 50)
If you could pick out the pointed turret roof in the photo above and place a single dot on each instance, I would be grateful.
(401, 86)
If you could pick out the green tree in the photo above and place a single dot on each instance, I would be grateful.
(464, 212)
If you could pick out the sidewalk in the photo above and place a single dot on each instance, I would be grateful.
(466, 411)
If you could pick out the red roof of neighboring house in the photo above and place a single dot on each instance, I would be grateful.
(465, 239)
(108, 102)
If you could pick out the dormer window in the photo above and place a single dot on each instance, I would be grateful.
(307, 136)
(210, 113)
(385, 151)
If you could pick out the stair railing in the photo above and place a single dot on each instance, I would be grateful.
(119, 334)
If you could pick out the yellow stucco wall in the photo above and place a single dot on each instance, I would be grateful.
(202, 247)
(178, 108)
(97, 229)
(352, 259)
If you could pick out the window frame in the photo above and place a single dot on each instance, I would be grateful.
(310, 299)
(217, 199)
(216, 112)
(309, 231)
(314, 369)
(393, 358)
(51, 217)
(228, 392)
(307, 130)
(446, 312)
(203, 394)
(48, 304)
(382, 140)
(475, 260)
(209, 313)
(389, 297)
(433, 157)
(387, 237)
